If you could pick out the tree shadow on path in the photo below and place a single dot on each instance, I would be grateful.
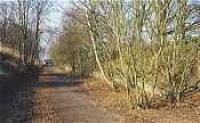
(21, 103)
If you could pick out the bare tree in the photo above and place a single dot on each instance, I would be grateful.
(21, 30)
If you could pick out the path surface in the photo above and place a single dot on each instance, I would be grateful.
(51, 100)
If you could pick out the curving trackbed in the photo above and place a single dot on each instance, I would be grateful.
(52, 98)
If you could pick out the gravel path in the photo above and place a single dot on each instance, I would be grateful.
(51, 100)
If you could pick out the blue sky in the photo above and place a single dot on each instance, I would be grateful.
(54, 21)
(55, 16)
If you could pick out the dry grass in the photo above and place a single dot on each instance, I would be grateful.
(10, 51)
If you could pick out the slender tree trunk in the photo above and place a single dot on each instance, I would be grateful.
(95, 50)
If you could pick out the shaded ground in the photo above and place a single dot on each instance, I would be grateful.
(57, 98)
(51, 98)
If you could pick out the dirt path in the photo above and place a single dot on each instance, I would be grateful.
(52, 100)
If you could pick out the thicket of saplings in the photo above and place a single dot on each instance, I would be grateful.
(163, 68)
